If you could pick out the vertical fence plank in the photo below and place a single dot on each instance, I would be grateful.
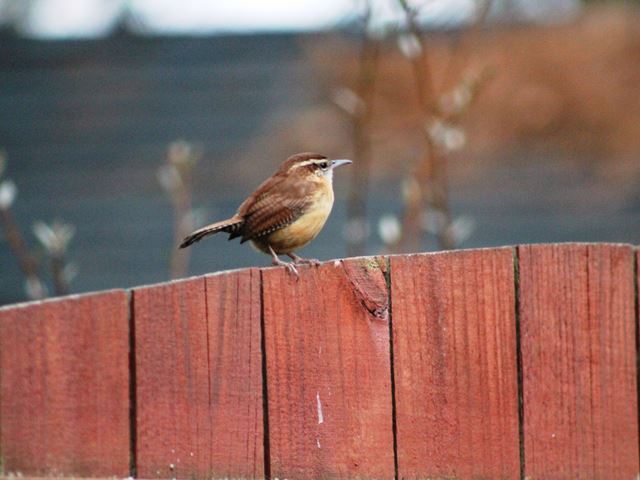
(578, 361)
(198, 370)
(64, 379)
(172, 383)
(454, 347)
(64, 386)
(328, 371)
(235, 363)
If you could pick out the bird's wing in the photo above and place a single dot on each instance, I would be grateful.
(277, 203)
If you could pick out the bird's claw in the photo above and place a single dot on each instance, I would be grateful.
(304, 261)
(291, 268)
(310, 261)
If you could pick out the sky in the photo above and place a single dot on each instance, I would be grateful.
(96, 18)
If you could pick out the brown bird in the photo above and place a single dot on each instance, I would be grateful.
(286, 212)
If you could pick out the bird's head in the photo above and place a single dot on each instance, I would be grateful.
(311, 166)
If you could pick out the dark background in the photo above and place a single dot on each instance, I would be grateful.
(85, 125)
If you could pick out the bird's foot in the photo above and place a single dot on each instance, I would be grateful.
(303, 261)
(291, 268)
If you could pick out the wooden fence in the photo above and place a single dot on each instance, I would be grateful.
(501, 363)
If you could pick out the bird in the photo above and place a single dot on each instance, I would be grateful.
(285, 213)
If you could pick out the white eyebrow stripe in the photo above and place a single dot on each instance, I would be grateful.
(306, 162)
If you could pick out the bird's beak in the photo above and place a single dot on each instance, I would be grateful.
(338, 163)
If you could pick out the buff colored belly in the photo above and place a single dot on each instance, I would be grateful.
(300, 232)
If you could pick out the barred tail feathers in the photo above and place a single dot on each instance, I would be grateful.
(230, 225)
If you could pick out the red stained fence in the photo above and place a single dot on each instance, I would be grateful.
(500, 363)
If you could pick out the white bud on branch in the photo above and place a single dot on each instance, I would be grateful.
(456, 101)
(8, 192)
(389, 229)
(34, 288)
(169, 178)
(348, 101)
(446, 136)
(69, 272)
(462, 228)
(409, 45)
(54, 238)
(433, 222)
(182, 153)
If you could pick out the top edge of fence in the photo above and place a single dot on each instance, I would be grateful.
(65, 298)
(335, 261)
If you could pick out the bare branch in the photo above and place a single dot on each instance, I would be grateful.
(18, 246)
(441, 114)
(176, 177)
(361, 123)
(55, 239)
(462, 48)
(431, 172)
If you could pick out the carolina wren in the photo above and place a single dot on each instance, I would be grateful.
(286, 212)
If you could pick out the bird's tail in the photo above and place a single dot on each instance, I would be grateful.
(230, 225)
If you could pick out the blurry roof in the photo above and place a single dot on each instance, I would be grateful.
(56, 19)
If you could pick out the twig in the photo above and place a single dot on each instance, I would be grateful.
(176, 177)
(462, 46)
(430, 186)
(183, 225)
(26, 260)
(55, 239)
(60, 284)
(361, 122)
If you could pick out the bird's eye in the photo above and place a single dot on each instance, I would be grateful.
(323, 165)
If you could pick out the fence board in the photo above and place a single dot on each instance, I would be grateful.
(64, 386)
(454, 347)
(64, 372)
(578, 360)
(328, 367)
(198, 370)
(172, 383)
(235, 363)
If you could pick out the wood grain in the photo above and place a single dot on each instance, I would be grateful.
(328, 371)
(64, 371)
(64, 386)
(172, 382)
(454, 348)
(199, 385)
(235, 363)
(578, 361)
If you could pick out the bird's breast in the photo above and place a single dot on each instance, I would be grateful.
(297, 234)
